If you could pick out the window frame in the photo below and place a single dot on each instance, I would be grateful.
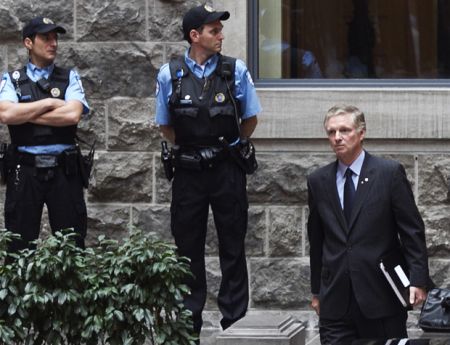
(252, 48)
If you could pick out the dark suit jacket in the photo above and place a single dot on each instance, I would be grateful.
(384, 216)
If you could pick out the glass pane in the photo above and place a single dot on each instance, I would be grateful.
(353, 39)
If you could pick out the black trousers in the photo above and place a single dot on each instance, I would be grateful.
(224, 189)
(354, 325)
(29, 188)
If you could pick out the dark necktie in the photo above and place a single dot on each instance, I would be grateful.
(349, 194)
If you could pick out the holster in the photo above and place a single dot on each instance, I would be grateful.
(243, 154)
(71, 159)
(166, 159)
(247, 155)
(85, 164)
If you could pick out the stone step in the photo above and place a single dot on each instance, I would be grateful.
(264, 330)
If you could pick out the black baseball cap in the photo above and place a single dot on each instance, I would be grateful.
(41, 25)
(201, 15)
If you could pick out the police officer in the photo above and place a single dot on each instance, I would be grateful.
(42, 104)
(194, 109)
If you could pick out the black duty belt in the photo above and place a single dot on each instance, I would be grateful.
(39, 160)
(199, 158)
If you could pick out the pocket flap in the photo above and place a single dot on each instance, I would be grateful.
(191, 112)
(222, 110)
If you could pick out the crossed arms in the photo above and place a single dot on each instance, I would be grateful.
(49, 111)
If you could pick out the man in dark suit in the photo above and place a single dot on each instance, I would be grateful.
(351, 225)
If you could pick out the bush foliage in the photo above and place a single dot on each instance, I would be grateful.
(109, 294)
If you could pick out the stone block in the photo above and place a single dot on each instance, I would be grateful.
(280, 283)
(264, 330)
(256, 231)
(109, 70)
(108, 220)
(434, 179)
(3, 60)
(437, 229)
(116, 20)
(175, 49)
(281, 177)
(213, 278)
(17, 55)
(163, 188)
(408, 162)
(121, 177)
(305, 243)
(10, 24)
(285, 231)
(166, 17)
(440, 272)
(130, 127)
(153, 219)
(92, 127)
(14, 15)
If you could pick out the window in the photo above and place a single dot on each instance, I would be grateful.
(351, 39)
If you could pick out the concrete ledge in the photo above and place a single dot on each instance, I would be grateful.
(390, 113)
(264, 330)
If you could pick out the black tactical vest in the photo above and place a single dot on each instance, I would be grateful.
(29, 134)
(201, 108)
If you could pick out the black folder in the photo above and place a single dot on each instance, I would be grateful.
(393, 266)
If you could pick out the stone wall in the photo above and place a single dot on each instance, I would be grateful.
(117, 46)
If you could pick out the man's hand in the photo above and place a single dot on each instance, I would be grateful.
(417, 295)
(315, 304)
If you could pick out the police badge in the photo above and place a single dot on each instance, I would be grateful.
(55, 92)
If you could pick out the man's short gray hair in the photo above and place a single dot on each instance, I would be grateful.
(342, 109)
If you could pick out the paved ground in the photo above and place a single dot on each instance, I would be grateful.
(209, 337)
(211, 322)
(211, 326)
(312, 337)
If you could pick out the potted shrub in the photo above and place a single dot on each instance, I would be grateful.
(113, 293)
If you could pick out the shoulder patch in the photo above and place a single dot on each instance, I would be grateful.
(249, 77)
(157, 88)
(2, 84)
(80, 84)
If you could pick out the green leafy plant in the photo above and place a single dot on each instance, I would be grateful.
(114, 293)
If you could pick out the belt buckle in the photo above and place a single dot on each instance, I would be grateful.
(45, 161)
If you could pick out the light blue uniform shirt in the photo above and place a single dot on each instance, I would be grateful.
(340, 175)
(244, 89)
(74, 92)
